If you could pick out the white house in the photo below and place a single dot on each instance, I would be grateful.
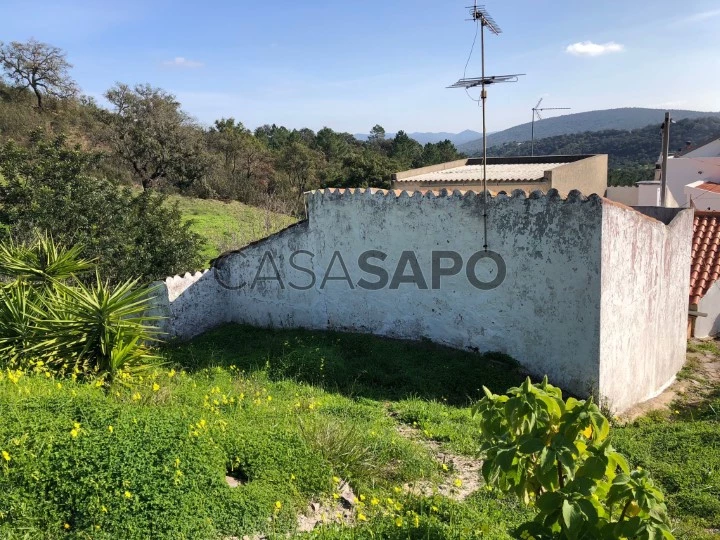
(699, 164)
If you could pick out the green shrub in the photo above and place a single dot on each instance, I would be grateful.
(555, 455)
(50, 187)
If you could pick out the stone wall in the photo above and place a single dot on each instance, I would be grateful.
(414, 266)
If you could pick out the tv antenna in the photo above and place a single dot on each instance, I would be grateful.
(481, 17)
(536, 112)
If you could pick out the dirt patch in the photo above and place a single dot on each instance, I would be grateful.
(462, 476)
(338, 510)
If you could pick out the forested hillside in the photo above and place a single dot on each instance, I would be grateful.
(145, 138)
(632, 154)
(618, 119)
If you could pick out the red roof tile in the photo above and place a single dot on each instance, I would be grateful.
(705, 262)
(709, 186)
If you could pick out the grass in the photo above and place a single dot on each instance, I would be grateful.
(228, 225)
(291, 415)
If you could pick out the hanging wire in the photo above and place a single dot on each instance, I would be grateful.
(467, 63)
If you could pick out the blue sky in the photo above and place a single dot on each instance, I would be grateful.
(350, 65)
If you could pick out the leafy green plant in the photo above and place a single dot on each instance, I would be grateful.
(556, 455)
(48, 315)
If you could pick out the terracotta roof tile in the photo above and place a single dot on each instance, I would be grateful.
(709, 186)
(705, 261)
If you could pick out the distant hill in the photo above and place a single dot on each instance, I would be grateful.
(432, 137)
(620, 119)
(631, 153)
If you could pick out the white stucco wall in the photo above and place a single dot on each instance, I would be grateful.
(645, 288)
(710, 305)
(701, 199)
(549, 312)
(683, 171)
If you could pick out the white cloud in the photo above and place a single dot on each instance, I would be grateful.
(698, 17)
(179, 61)
(588, 48)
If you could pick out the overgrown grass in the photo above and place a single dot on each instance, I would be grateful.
(288, 414)
(228, 225)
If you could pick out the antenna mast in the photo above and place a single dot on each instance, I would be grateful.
(480, 16)
(536, 111)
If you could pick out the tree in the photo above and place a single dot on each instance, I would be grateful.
(377, 134)
(155, 137)
(368, 169)
(405, 150)
(49, 187)
(439, 152)
(38, 66)
(246, 164)
(302, 165)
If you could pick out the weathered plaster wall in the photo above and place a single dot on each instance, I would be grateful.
(710, 304)
(645, 287)
(190, 304)
(588, 175)
(548, 312)
(627, 195)
(545, 313)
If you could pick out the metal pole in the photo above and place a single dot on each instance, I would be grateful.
(665, 152)
(483, 96)
(532, 134)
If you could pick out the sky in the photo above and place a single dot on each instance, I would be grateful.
(351, 65)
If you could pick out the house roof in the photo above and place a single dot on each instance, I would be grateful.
(693, 147)
(705, 260)
(502, 172)
(709, 186)
(499, 169)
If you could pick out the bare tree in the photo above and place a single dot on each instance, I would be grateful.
(38, 66)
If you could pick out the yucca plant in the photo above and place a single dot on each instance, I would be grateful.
(48, 314)
(17, 322)
(42, 262)
(97, 327)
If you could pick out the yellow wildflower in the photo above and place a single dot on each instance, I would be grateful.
(171, 373)
(6, 456)
(457, 482)
(66, 526)
(110, 429)
(444, 467)
(398, 521)
(155, 387)
(278, 505)
(336, 479)
(362, 517)
(136, 396)
(374, 501)
(128, 495)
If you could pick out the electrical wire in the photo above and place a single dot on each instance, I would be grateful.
(467, 63)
